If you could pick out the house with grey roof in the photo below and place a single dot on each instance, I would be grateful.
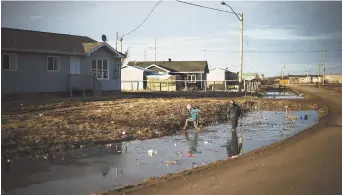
(34, 62)
(194, 73)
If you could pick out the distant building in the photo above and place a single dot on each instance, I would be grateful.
(252, 76)
(193, 74)
(218, 76)
(333, 78)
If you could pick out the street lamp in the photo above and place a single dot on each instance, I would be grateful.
(240, 18)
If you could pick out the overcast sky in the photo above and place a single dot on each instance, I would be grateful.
(276, 33)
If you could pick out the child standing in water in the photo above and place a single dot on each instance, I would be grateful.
(194, 112)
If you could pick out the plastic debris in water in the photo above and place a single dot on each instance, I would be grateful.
(150, 152)
(109, 145)
(82, 146)
(205, 142)
(171, 162)
(304, 117)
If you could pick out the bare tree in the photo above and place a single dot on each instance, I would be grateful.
(127, 54)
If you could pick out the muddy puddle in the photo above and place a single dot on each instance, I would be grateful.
(281, 95)
(87, 170)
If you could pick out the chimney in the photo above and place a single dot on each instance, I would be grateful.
(169, 59)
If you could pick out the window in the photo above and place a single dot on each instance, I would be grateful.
(116, 70)
(191, 78)
(100, 68)
(53, 64)
(9, 62)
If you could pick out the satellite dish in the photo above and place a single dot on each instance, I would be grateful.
(104, 38)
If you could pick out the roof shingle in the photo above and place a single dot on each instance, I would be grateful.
(45, 41)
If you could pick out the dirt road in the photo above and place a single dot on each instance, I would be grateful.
(309, 163)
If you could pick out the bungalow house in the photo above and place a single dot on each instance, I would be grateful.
(34, 61)
(189, 73)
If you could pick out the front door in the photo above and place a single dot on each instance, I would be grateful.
(75, 65)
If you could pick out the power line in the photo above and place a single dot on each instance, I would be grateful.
(143, 20)
(202, 6)
(252, 51)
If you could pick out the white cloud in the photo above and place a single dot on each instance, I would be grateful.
(284, 33)
(36, 17)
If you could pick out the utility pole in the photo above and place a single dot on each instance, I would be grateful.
(318, 69)
(240, 18)
(145, 55)
(116, 42)
(324, 60)
(155, 49)
(241, 50)
(282, 72)
(121, 44)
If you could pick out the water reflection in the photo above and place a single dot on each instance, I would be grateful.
(234, 145)
(192, 143)
(94, 169)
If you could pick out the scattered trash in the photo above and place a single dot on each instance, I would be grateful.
(123, 133)
(109, 145)
(304, 117)
(171, 162)
(112, 122)
(205, 142)
(150, 152)
(82, 146)
(41, 114)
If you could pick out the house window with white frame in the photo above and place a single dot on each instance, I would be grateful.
(9, 62)
(100, 68)
(53, 64)
(191, 78)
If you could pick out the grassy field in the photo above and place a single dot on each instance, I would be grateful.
(28, 126)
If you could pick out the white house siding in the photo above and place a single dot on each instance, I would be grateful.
(114, 81)
(334, 78)
(216, 75)
(129, 74)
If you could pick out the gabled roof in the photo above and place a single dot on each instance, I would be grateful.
(221, 69)
(136, 68)
(175, 66)
(45, 42)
